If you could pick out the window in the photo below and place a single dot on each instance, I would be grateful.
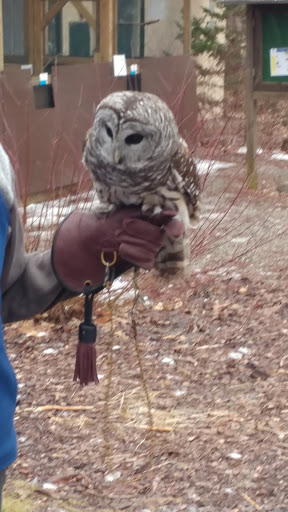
(13, 29)
(54, 43)
(72, 32)
(131, 28)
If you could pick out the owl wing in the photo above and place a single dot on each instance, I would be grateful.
(185, 174)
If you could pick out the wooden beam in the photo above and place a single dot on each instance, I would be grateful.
(1, 39)
(115, 26)
(38, 37)
(29, 33)
(107, 29)
(187, 26)
(251, 103)
(97, 55)
(83, 11)
(59, 4)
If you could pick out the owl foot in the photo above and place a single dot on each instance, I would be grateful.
(151, 210)
(103, 209)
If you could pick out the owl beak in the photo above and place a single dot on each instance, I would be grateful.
(117, 156)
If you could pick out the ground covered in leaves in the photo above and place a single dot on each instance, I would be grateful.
(193, 415)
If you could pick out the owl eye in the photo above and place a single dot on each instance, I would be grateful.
(134, 138)
(109, 132)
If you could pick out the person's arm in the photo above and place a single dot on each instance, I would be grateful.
(29, 282)
(33, 282)
(29, 285)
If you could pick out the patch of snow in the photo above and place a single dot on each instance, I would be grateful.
(48, 486)
(243, 150)
(235, 455)
(209, 166)
(168, 360)
(244, 350)
(118, 284)
(210, 216)
(111, 477)
(228, 490)
(48, 213)
(236, 355)
(49, 351)
(240, 239)
(279, 156)
(146, 301)
(180, 392)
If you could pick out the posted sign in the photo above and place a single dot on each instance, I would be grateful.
(279, 61)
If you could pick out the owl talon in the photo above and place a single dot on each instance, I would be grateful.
(146, 208)
(103, 210)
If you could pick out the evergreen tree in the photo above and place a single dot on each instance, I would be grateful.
(219, 36)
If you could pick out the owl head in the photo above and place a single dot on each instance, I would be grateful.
(133, 133)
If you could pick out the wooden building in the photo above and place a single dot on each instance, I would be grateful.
(48, 32)
(43, 128)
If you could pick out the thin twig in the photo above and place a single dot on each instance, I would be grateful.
(252, 502)
(134, 330)
(60, 408)
(106, 426)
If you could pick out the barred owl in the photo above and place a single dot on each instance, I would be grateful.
(137, 157)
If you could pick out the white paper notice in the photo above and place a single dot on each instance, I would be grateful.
(119, 65)
(279, 62)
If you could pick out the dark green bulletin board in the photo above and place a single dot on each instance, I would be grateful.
(274, 35)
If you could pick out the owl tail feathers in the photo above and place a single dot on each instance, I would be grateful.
(174, 257)
(85, 365)
(168, 269)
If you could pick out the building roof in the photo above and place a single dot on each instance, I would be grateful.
(255, 2)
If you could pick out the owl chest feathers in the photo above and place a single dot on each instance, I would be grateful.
(168, 194)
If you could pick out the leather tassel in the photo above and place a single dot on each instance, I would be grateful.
(85, 365)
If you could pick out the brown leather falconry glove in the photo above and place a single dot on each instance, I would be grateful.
(133, 238)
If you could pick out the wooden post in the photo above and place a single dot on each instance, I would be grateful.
(115, 26)
(29, 34)
(59, 4)
(107, 29)
(38, 37)
(36, 22)
(251, 103)
(187, 26)
(1, 39)
(83, 11)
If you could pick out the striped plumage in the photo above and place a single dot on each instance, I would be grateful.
(137, 157)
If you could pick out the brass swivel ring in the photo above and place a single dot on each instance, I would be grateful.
(109, 263)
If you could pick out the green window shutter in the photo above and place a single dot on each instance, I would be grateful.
(79, 39)
(130, 30)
